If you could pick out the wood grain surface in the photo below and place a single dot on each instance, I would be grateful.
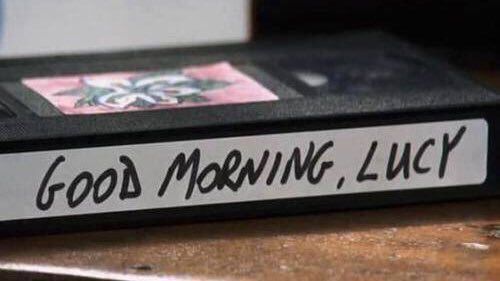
(448, 241)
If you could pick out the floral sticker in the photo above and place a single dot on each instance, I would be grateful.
(212, 84)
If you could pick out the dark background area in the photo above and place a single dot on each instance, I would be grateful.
(467, 32)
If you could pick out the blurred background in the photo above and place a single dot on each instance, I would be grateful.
(464, 32)
(34, 27)
(467, 32)
(50, 27)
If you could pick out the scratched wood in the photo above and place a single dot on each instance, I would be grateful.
(449, 241)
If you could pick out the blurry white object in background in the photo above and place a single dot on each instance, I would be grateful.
(35, 27)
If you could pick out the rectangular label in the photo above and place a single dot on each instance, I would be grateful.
(241, 169)
(201, 85)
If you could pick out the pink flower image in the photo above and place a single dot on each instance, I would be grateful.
(213, 84)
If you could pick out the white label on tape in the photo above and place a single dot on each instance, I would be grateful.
(241, 169)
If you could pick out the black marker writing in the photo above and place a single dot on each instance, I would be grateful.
(448, 146)
(51, 190)
(403, 164)
(403, 160)
(417, 165)
(390, 160)
(252, 170)
(83, 184)
(362, 175)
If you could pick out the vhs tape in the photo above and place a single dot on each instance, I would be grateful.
(284, 127)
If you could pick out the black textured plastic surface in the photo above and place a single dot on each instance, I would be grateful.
(424, 84)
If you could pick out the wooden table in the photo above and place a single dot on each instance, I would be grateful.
(450, 241)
